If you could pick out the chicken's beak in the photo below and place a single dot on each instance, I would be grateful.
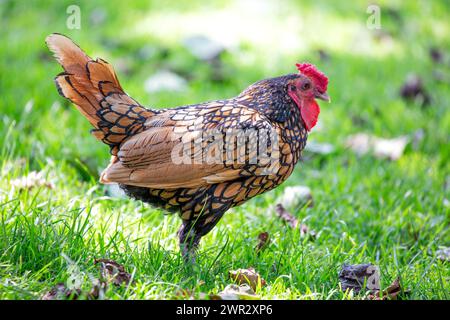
(322, 96)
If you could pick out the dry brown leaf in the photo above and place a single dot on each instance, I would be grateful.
(61, 292)
(286, 216)
(391, 149)
(32, 180)
(113, 272)
(355, 277)
(293, 221)
(413, 89)
(247, 276)
(390, 293)
(304, 231)
(437, 55)
(359, 143)
(98, 288)
(263, 240)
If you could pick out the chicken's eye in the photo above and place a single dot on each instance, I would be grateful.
(292, 87)
(306, 86)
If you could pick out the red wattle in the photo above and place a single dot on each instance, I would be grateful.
(310, 113)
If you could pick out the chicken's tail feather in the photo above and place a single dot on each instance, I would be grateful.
(93, 87)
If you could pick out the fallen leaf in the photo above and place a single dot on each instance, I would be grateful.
(247, 276)
(263, 240)
(235, 292)
(413, 89)
(436, 55)
(97, 290)
(443, 254)
(354, 277)
(61, 292)
(286, 216)
(360, 143)
(393, 290)
(392, 149)
(304, 230)
(111, 271)
(32, 180)
(390, 293)
(293, 221)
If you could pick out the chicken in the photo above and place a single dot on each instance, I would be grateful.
(198, 160)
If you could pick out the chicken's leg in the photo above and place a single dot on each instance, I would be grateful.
(191, 231)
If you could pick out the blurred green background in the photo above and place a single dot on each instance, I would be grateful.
(392, 213)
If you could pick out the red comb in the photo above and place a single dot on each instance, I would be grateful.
(319, 79)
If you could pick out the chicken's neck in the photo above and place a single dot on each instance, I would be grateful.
(284, 114)
(293, 132)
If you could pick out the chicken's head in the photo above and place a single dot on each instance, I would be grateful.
(311, 84)
(291, 96)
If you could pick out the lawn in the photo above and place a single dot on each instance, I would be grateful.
(367, 209)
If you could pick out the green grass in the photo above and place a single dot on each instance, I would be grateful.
(390, 213)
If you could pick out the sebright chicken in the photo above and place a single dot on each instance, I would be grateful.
(197, 160)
